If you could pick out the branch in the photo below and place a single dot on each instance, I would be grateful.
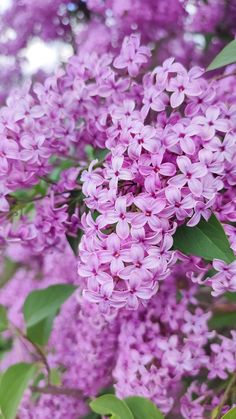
(226, 395)
(71, 392)
(223, 76)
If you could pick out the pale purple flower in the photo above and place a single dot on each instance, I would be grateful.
(132, 55)
(191, 174)
(150, 209)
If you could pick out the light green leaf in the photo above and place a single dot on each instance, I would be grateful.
(55, 377)
(231, 414)
(143, 408)
(111, 405)
(43, 303)
(207, 240)
(3, 318)
(225, 57)
(39, 333)
(12, 386)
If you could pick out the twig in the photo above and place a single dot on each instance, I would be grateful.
(226, 395)
(71, 392)
(223, 76)
(37, 349)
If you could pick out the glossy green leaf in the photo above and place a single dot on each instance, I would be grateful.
(3, 318)
(43, 303)
(40, 332)
(231, 414)
(111, 405)
(207, 240)
(143, 408)
(225, 57)
(12, 386)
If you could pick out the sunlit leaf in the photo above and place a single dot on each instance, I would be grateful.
(12, 386)
(44, 302)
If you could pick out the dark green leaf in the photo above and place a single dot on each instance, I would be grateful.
(143, 408)
(231, 414)
(231, 296)
(92, 415)
(111, 405)
(40, 332)
(75, 241)
(225, 57)
(207, 240)
(222, 320)
(3, 318)
(12, 386)
(101, 153)
(43, 303)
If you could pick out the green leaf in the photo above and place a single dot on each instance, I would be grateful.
(231, 296)
(207, 240)
(231, 414)
(74, 241)
(3, 318)
(143, 408)
(13, 384)
(89, 150)
(92, 415)
(101, 153)
(55, 377)
(39, 333)
(111, 405)
(225, 57)
(222, 320)
(8, 271)
(43, 303)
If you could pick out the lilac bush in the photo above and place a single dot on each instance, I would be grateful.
(117, 185)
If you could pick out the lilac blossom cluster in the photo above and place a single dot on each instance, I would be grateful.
(152, 351)
(140, 320)
(162, 344)
(83, 345)
(171, 144)
(173, 28)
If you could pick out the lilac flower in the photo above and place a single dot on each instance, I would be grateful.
(191, 174)
(181, 85)
(120, 216)
(211, 123)
(225, 279)
(149, 209)
(8, 150)
(132, 55)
